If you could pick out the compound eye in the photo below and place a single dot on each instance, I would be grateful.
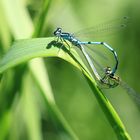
(59, 30)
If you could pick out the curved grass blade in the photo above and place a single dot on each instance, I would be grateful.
(25, 50)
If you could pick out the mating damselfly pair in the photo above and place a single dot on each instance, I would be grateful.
(107, 78)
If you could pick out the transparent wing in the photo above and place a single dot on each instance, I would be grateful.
(105, 61)
(132, 93)
(104, 29)
(100, 57)
(98, 52)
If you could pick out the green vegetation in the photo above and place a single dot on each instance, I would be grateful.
(48, 98)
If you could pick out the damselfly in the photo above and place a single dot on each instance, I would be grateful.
(115, 25)
(109, 79)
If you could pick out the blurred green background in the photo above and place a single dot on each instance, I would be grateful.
(23, 111)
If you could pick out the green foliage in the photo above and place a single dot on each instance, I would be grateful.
(47, 98)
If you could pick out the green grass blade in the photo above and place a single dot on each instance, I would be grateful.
(24, 50)
(5, 35)
(39, 75)
(30, 109)
(41, 18)
(18, 18)
(5, 122)
(23, 29)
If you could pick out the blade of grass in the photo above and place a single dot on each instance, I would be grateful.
(5, 35)
(26, 30)
(39, 75)
(21, 27)
(40, 21)
(24, 50)
(49, 99)
(18, 18)
(5, 122)
(30, 109)
(41, 72)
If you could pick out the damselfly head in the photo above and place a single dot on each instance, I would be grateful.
(108, 70)
(110, 80)
(58, 32)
